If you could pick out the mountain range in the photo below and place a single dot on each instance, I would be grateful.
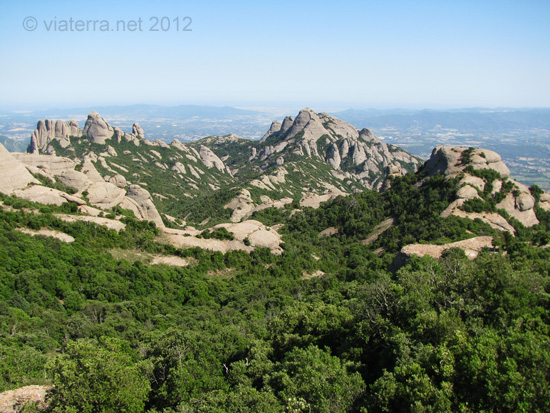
(226, 180)
(313, 157)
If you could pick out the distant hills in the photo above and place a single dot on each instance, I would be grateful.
(475, 120)
(521, 136)
(192, 122)
(149, 112)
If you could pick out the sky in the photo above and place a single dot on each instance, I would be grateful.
(345, 54)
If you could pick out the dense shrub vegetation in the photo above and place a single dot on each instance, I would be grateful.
(254, 332)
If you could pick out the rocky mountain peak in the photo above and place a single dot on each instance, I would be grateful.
(97, 129)
(48, 130)
(359, 154)
(311, 126)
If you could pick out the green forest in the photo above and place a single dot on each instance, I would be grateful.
(256, 332)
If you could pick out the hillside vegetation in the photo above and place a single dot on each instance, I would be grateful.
(323, 327)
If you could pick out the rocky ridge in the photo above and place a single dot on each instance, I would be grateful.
(357, 156)
(298, 165)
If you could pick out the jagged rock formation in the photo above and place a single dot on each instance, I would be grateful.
(136, 130)
(354, 154)
(313, 157)
(97, 129)
(101, 193)
(13, 174)
(47, 131)
(308, 160)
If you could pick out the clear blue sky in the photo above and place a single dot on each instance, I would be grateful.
(359, 54)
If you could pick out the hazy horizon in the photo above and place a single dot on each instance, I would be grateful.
(282, 108)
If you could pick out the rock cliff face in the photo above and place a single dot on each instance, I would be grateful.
(209, 159)
(354, 154)
(48, 130)
(96, 129)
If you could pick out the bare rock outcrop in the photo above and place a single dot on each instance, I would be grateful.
(314, 200)
(180, 168)
(105, 195)
(256, 234)
(520, 208)
(274, 128)
(210, 159)
(467, 192)
(53, 165)
(13, 174)
(42, 195)
(449, 161)
(453, 161)
(137, 131)
(147, 210)
(47, 131)
(12, 400)
(97, 129)
(75, 179)
(241, 205)
(108, 223)
(61, 236)
(118, 180)
(268, 203)
(471, 247)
